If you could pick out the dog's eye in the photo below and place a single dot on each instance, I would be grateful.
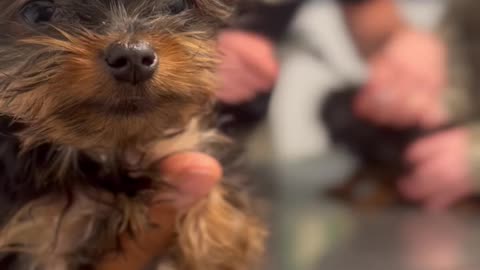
(38, 12)
(177, 6)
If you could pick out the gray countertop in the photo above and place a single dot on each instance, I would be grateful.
(312, 232)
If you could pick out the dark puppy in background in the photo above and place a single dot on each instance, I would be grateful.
(92, 93)
(380, 151)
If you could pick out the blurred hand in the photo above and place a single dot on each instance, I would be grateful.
(248, 67)
(193, 175)
(441, 174)
(406, 81)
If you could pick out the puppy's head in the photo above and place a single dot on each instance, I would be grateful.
(91, 73)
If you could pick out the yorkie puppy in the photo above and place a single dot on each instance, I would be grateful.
(92, 92)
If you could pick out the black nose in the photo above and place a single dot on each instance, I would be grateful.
(134, 63)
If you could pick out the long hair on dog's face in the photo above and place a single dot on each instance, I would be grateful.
(62, 67)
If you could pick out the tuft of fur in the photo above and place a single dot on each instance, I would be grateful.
(217, 234)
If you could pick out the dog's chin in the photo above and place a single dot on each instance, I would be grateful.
(129, 109)
(134, 107)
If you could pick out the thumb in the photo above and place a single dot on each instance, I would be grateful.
(192, 176)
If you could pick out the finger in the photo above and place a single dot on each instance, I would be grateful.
(235, 91)
(384, 103)
(375, 99)
(404, 105)
(258, 55)
(408, 68)
(442, 201)
(238, 82)
(370, 104)
(259, 80)
(429, 72)
(426, 148)
(417, 93)
(192, 174)
(255, 81)
(360, 105)
(234, 88)
(420, 110)
(436, 117)
(411, 101)
(411, 109)
(426, 67)
(380, 71)
(435, 81)
(426, 180)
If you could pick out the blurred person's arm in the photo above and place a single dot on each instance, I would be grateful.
(406, 66)
(406, 88)
(372, 22)
(249, 65)
(450, 162)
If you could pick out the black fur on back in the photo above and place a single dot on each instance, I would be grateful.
(19, 179)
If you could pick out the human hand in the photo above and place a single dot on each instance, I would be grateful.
(248, 66)
(441, 170)
(193, 175)
(406, 81)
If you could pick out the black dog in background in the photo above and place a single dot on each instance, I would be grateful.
(379, 150)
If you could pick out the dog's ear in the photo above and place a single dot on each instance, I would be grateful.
(219, 9)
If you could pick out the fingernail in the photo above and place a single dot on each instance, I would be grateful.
(192, 187)
(195, 183)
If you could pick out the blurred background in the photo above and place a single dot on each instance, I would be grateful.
(293, 163)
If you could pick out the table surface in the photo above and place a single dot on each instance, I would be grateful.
(312, 232)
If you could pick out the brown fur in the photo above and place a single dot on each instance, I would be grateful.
(64, 95)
